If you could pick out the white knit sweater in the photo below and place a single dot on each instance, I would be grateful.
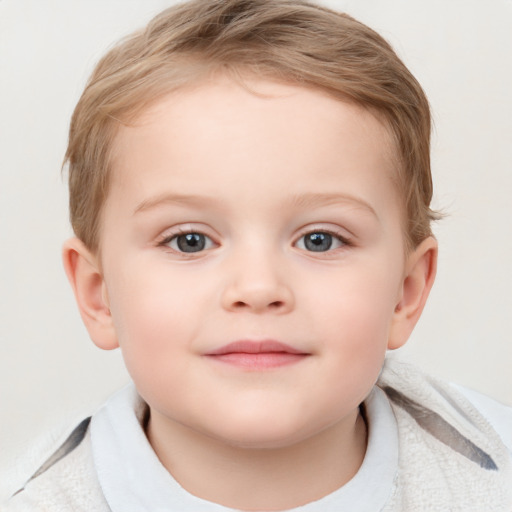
(449, 459)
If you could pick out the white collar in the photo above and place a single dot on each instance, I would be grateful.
(134, 480)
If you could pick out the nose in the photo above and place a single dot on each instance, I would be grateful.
(257, 284)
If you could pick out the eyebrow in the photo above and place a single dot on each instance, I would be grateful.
(179, 199)
(303, 201)
(312, 200)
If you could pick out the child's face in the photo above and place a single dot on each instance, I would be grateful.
(234, 217)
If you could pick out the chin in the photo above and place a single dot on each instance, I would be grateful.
(261, 434)
(259, 442)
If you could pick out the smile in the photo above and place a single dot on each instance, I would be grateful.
(257, 355)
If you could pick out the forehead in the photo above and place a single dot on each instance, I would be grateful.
(222, 132)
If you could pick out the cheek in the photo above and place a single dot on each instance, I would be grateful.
(353, 321)
(153, 317)
(155, 341)
(355, 300)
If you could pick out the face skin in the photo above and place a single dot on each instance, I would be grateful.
(261, 181)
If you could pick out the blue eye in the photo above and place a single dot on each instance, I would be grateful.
(319, 241)
(190, 242)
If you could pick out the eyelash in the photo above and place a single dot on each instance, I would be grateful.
(166, 240)
(342, 238)
(209, 242)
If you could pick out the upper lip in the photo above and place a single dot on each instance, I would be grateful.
(255, 347)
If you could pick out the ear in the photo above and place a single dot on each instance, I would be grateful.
(420, 273)
(85, 276)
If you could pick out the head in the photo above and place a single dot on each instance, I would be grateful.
(251, 173)
(292, 41)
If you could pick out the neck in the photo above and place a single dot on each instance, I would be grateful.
(260, 479)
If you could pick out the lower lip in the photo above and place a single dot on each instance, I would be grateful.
(259, 361)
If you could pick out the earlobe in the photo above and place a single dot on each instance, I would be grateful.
(419, 277)
(86, 279)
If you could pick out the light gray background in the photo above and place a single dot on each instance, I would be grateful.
(460, 50)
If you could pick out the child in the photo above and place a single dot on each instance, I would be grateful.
(250, 190)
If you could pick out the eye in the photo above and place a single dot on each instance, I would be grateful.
(320, 241)
(189, 242)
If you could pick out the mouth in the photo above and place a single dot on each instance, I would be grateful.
(257, 355)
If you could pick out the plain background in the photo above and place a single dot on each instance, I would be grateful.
(461, 52)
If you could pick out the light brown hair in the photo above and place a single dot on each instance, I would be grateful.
(288, 40)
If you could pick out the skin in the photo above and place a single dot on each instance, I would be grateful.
(257, 175)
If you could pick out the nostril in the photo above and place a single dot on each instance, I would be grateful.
(257, 298)
(272, 305)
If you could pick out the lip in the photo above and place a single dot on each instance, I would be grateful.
(257, 355)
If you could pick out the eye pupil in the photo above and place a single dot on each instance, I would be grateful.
(318, 242)
(191, 242)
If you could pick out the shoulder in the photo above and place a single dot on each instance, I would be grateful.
(450, 452)
(497, 414)
(451, 401)
(66, 481)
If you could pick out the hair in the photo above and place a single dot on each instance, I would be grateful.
(286, 40)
